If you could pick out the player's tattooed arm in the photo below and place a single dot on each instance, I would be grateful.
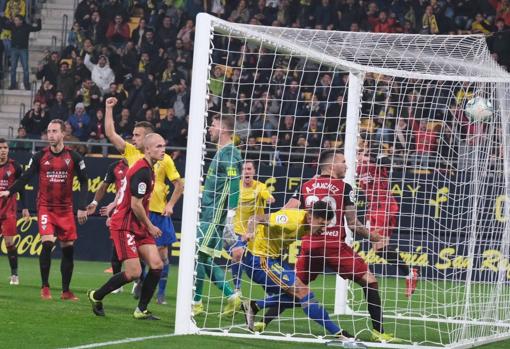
(356, 226)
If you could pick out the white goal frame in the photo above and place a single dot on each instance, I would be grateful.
(205, 24)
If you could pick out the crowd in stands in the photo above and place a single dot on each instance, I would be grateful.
(141, 53)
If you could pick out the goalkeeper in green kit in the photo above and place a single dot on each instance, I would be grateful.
(219, 200)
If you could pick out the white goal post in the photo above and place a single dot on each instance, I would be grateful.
(400, 100)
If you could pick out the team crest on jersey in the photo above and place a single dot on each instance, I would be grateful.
(67, 161)
(282, 219)
(8, 173)
(43, 227)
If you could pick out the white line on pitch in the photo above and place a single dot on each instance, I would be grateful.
(121, 341)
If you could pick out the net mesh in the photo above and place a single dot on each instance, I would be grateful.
(432, 179)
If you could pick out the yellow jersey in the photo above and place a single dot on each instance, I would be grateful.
(162, 169)
(252, 201)
(284, 228)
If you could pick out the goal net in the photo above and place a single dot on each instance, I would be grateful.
(433, 181)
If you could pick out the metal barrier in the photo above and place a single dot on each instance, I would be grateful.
(22, 109)
(63, 34)
(33, 91)
(53, 42)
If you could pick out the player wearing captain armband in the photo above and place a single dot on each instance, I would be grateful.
(253, 198)
(265, 265)
(220, 198)
(160, 209)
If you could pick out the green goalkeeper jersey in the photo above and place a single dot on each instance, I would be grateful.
(220, 193)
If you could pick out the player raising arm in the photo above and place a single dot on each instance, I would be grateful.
(133, 233)
(160, 209)
(56, 166)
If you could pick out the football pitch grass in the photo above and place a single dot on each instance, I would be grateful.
(28, 322)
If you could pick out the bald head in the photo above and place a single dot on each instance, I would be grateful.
(154, 146)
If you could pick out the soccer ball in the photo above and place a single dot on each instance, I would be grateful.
(479, 109)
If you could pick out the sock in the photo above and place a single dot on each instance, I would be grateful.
(273, 313)
(164, 278)
(12, 255)
(45, 262)
(237, 272)
(149, 286)
(274, 301)
(142, 275)
(371, 292)
(317, 313)
(214, 273)
(67, 266)
(393, 257)
(116, 281)
(116, 264)
(218, 278)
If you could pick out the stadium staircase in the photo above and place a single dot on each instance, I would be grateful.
(13, 103)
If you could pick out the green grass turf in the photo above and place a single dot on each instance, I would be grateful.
(28, 322)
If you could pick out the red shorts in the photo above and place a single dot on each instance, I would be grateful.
(8, 226)
(60, 224)
(127, 243)
(343, 261)
(383, 218)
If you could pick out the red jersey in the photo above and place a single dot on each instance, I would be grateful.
(56, 172)
(139, 182)
(9, 172)
(373, 180)
(116, 172)
(338, 195)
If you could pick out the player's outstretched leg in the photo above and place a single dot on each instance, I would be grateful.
(131, 272)
(66, 269)
(44, 267)
(12, 256)
(151, 256)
